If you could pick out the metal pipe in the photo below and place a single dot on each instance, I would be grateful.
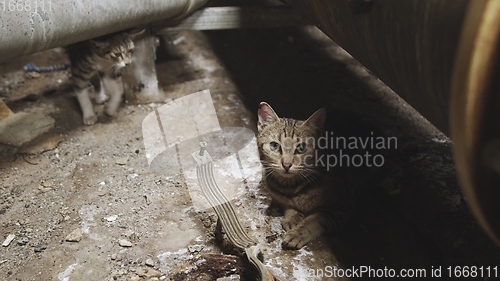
(219, 18)
(37, 25)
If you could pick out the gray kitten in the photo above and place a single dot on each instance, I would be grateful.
(313, 202)
(105, 57)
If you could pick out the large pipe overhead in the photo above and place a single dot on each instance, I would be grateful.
(33, 26)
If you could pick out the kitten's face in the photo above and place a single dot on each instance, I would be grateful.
(287, 146)
(118, 49)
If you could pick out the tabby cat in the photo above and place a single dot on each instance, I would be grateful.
(313, 203)
(105, 57)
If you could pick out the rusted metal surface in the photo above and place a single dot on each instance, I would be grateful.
(475, 105)
(410, 45)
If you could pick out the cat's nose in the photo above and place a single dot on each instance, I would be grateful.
(286, 166)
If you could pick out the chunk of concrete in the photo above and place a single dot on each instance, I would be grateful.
(20, 128)
(48, 142)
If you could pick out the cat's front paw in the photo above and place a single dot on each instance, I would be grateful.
(292, 218)
(90, 120)
(295, 239)
(288, 224)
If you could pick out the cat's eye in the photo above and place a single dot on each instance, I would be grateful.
(301, 148)
(275, 146)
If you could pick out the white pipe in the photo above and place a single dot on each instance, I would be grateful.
(36, 25)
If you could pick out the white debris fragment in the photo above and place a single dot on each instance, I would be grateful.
(121, 160)
(75, 236)
(124, 243)
(64, 276)
(445, 140)
(47, 184)
(111, 218)
(300, 270)
(150, 262)
(178, 40)
(195, 248)
(132, 176)
(229, 278)
(33, 74)
(9, 239)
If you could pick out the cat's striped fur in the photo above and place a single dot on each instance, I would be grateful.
(313, 202)
(106, 57)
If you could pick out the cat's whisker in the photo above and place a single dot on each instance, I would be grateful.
(307, 177)
(271, 172)
(312, 171)
(116, 71)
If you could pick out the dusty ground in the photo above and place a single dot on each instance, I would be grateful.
(95, 181)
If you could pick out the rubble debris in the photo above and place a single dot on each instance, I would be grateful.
(40, 248)
(121, 160)
(20, 128)
(111, 218)
(150, 262)
(229, 278)
(124, 243)
(195, 248)
(75, 236)
(23, 241)
(9, 239)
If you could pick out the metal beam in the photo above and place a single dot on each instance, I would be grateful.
(215, 18)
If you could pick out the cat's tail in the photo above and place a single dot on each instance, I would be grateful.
(31, 67)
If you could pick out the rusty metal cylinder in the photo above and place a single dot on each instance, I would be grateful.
(442, 57)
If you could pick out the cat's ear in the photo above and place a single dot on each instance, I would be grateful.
(265, 115)
(317, 119)
(99, 44)
(133, 33)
